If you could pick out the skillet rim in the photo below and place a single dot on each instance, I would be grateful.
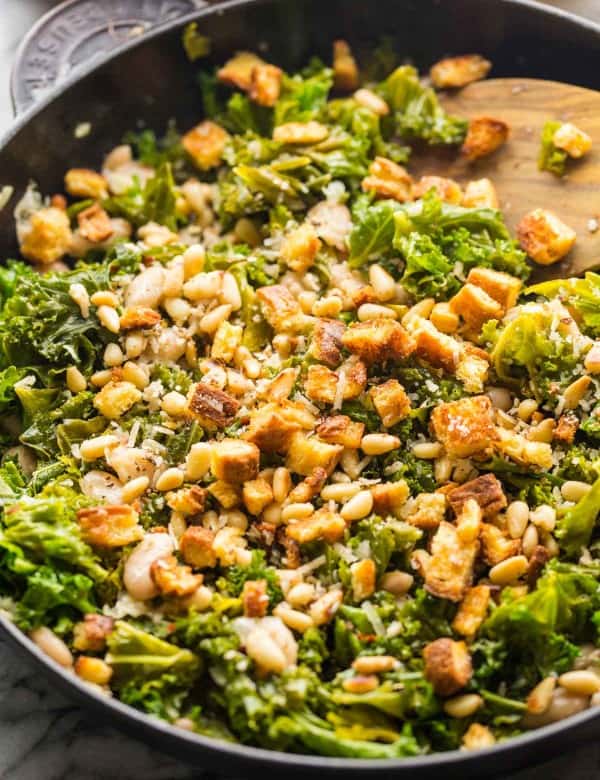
(521, 748)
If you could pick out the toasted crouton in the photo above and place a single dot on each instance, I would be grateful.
(449, 572)
(227, 494)
(116, 398)
(281, 310)
(345, 69)
(91, 633)
(502, 287)
(272, 426)
(574, 141)
(94, 224)
(255, 599)
(496, 546)
(340, 429)
(453, 72)
(85, 183)
(47, 236)
(566, 428)
(188, 501)
(472, 370)
(432, 346)
(485, 489)
(446, 189)
(238, 70)
(475, 307)
(477, 737)
(376, 341)
(484, 136)
(211, 407)
(205, 144)
(391, 402)
(465, 427)
(544, 237)
(307, 453)
(363, 575)
(300, 247)
(426, 511)
(257, 494)
(480, 193)
(227, 339)
(472, 611)
(196, 548)
(110, 526)
(135, 317)
(173, 578)
(310, 486)
(388, 497)
(265, 84)
(387, 179)
(529, 453)
(326, 343)
(235, 460)
(302, 133)
(447, 665)
(323, 385)
(323, 524)
(333, 223)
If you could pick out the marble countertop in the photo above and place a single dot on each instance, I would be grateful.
(43, 736)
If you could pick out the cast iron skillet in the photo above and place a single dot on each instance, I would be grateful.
(149, 77)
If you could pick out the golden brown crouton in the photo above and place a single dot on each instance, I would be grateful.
(345, 69)
(477, 737)
(574, 141)
(281, 310)
(139, 317)
(188, 501)
(449, 572)
(529, 453)
(376, 341)
(472, 371)
(333, 223)
(566, 428)
(538, 559)
(300, 247)
(226, 493)
(211, 407)
(340, 429)
(307, 453)
(387, 179)
(475, 307)
(205, 144)
(472, 611)
(323, 524)
(465, 427)
(255, 599)
(446, 189)
(388, 497)
(447, 665)
(238, 70)
(434, 347)
(363, 576)
(496, 545)
(326, 343)
(85, 183)
(173, 578)
(480, 193)
(110, 526)
(484, 136)
(309, 487)
(485, 489)
(94, 224)
(502, 287)
(426, 511)
(91, 633)
(271, 428)
(225, 342)
(265, 84)
(196, 547)
(257, 494)
(234, 460)
(116, 398)
(323, 385)
(391, 402)
(544, 237)
(47, 237)
(302, 133)
(453, 72)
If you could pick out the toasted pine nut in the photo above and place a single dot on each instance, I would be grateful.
(526, 408)
(230, 292)
(80, 296)
(92, 449)
(500, 398)
(203, 286)
(282, 484)
(251, 368)
(341, 491)
(211, 321)
(134, 489)
(109, 318)
(234, 518)
(509, 570)
(293, 618)
(361, 684)
(540, 697)
(170, 479)
(197, 462)
(76, 382)
(576, 391)
(358, 506)
(134, 373)
(517, 517)
(463, 706)
(135, 343)
(178, 309)
(101, 378)
(307, 300)
(301, 594)
(530, 540)
(442, 469)
(582, 682)
(105, 298)
(544, 517)
(113, 355)
(272, 514)
(372, 311)
(379, 443)
(93, 670)
(572, 490)
(330, 306)
(542, 431)
(174, 404)
(551, 546)
(296, 511)
(427, 450)
(193, 260)
(374, 664)
(382, 283)
(397, 582)
(52, 645)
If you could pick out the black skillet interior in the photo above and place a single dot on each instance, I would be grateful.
(153, 81)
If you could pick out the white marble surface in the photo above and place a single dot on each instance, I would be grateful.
(43, 736)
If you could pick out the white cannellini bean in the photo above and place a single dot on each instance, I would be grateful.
(130, 463)
(146, 289)
(572, 490)
(463, 706)
(102, 486)
(136, 572)
(265, 652)
(52, 645)
(563, 705)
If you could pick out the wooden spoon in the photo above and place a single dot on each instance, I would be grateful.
(525, 105)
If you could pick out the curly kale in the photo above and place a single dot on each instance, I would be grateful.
(258, 569)
(551, 158)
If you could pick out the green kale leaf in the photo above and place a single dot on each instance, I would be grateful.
(551, 158)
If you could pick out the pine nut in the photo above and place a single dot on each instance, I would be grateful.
(526, 408)
(135, 374)
(79, 295)
(350, 463)
(92, 449)
(509, 570)
(134, 489)
(582, 682)
(282, 484)
(540, 697)
(378, 443)
(372, 101)
(572, 490)
(234, 518)
(358, 506)
(382, 283)
(427, 450)
(211, 321)
(170, 479)
(283, 345)
(52, 645)
(93, 670)
(551, 546)
(372, 311)
(293, 618)
(500, 398)
(173, 280)
(76, 382)
(135, 344)
(203, 286)
(442, 469)
(187, 724)
(197, 462)
(251, 368)
(576, 391)
(174, 404)
(421, 309)
(444, 319)
(517, 517)
(530, 540)
(307, 300)
(374, 664)
(329, 306)
(301, 594)
(463, 706)
(341, 491)
(101, 378)
(504, 420)
(543, 432)
(397, 582)
(296, 511)
(193, 260)
(178, 309)
(272, 514)
(544, 517)
(109, 318)
(265, 651)
(105, 298)
(230, 292)
(361, 684)
(113, 355)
